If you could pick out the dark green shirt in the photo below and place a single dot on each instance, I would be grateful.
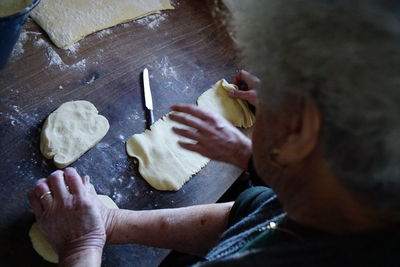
(247, 242)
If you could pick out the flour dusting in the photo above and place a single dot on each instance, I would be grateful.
(19, 50)
(103, 33)
(167, 71)
(18, 118)
(73, 49)
(152, 21)
(54, 58)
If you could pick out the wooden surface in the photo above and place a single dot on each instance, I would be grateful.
(185, 51)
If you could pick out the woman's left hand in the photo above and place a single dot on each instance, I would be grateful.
(215, 137)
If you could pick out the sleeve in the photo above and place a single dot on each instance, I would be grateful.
(248, 201)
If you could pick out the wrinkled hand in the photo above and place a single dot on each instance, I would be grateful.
(248, 85)
(72, 218)
(215, 137)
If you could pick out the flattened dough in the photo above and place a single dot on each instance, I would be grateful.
(43, 247)
(162, 162)
(68, 21)
(216, 100)
(70, 131)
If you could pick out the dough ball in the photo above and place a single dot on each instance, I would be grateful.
(43, 247)
(70, 131)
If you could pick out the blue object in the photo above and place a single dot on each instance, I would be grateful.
(10, 28)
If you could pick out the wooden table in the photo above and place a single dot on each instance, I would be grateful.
(186, 51)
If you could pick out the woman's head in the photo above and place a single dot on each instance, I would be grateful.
(345, 56)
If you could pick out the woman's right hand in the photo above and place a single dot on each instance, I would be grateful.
(248, 85)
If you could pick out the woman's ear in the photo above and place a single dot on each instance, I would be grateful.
(304, 131)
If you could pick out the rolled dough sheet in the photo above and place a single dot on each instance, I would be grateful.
(70, 131)
(68, 21)
(162, 162)
(43, 247)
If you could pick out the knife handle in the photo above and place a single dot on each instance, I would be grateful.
(150, 118)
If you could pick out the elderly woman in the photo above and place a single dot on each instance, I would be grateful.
(325, 141)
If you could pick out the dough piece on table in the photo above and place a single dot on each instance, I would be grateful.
(70, 131)
(68, 21)
(43, 247)
(162, 162)
(216, 100)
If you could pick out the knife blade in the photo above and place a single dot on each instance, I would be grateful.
(148, 100)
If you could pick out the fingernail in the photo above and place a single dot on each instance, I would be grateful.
(57, 171)
(41, 180)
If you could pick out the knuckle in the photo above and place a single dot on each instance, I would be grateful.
(40, 187)
(82, 203)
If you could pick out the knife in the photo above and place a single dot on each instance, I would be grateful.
(148, 100)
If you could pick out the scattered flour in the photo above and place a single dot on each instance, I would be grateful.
(134, 116)
(168, 72)
(55, 59)
(73, 49)
(102, 146)
(152, 21)
(19, 118)
(117, 197)
(91, 80)
(103, 33)
(19, 50)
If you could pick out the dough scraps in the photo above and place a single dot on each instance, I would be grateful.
(162, 162)
(70, 131)
(68, 21)
(43, 247)
(216, 100)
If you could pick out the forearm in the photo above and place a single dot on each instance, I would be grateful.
(192, 229)
(243, 153)
(83, 258)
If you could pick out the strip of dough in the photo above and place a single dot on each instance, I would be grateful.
(162, 162)
(43, 247)
(68, 21)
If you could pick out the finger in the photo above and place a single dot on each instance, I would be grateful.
(239, 94)
(89, 186)
(249, 79)
(43, 194)
(191, 121)
(187, 133)
(74, 181)
(192, 147)
(238, 78)
(57, 185)
(34, 203)
(249, 96)
(86, 180)
(194, 111)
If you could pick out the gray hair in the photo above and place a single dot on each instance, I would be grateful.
(346, 55)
